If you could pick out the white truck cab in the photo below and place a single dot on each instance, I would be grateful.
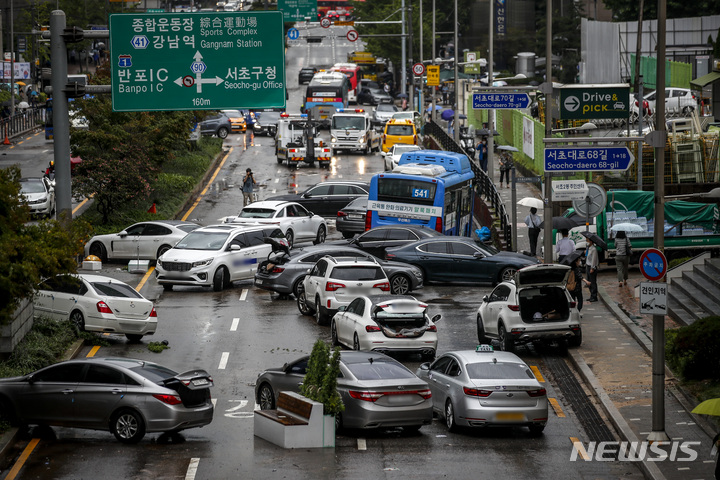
(351, 129)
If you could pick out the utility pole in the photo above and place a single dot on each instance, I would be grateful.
(548, 210)
(491, 112)
(403, 60)
(456, 116)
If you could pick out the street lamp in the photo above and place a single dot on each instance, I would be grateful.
(581, 128)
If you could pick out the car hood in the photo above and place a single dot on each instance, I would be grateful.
(34, 196)
(187, 255)
(519, 257)
(544, 274)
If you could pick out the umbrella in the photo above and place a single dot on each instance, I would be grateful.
(447, 114)
(508, 148)
(33, 92)
(23, 105)
(484, 132)
(626, 227)
(437, 107)
(595, 239)
(402, 95)
(708, 407)
(531, 202)
(571, 257)
(562, 223)
(20, 83)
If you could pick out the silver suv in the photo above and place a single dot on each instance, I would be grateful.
(337, 281)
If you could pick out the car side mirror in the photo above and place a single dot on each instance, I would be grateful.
(383, 154)
(342, 308)
(436, 318)
(31, 379)
(486, 299)
(122, 234)
(425, 366)
(235, 247)
(306, 195)
(478, 255)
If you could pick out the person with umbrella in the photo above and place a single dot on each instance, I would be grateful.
(565, 246)
(622, 256)
(591, 266)
(482, 154)
(533, 223)
(506, 165)
(575, 280)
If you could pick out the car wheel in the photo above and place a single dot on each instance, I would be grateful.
(688, 110)
(302, 306)
(576, 340)
(333, 334)
(128, 426)
(133, 337)
(482, 339)
(536, 429)
(450, 416)
(266, 397)
(320, 317)
(77, 319)
(279, 160)
(161, 251)
(356, 343)
(321, 234)
(399, 285)
(297, 286)
(219, 279)
(167, 287)
(99, 250)
(223, 132)
(507, 273)
(506, 343)
(290, 237)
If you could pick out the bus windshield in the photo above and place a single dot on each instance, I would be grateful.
(411, 190)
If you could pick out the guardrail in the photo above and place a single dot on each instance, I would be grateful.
(21, 122)
(483, 182)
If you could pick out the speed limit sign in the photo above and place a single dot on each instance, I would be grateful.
(418, 69)
(325, 22)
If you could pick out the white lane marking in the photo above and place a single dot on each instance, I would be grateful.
(235, 323)
(192, 469)
(243, 294)
(362, 444)
(274, 190)
(277, 180)
(223, 360)
(214, 402)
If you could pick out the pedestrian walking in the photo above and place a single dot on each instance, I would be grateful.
(575, 281)
(444, 91)
(506, 164)
(482, 151)
(533, 223)
(565, 246)
(248, 187)
(249, 129)
(623, 251)
(591, 265)
(715, 450)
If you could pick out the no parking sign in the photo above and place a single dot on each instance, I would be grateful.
(653, 264)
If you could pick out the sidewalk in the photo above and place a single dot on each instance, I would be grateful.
(615, 361)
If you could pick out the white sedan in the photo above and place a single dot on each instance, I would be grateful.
(392, 156)
(144, 240)
(39, 195)
(96, 303)
(385, 323)
(295, 221)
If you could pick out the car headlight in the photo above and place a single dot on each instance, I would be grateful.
(202, 263)
(417, 273)
(333, 139)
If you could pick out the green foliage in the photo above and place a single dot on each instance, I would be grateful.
(320, 383)
(29, 253)
(677, 261)
(628, 10)
(693, 352)
(44, 345)
(157, 347)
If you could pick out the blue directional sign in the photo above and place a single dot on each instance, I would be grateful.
(587, 159)
(293, 34)
(500, 101)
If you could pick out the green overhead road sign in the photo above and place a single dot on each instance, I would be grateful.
(585, 102)
(297, 10)
(197, 61)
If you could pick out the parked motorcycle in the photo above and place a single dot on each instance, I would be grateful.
(467, 142)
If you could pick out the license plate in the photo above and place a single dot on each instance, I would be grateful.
(200, 381)
(354, 216)
(510, 417)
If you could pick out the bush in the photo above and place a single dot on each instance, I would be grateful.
(677, 261)
(693, 352)
(320, 383)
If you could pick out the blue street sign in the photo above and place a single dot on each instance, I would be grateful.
(587, 159)
(293, 34)
(500, 100)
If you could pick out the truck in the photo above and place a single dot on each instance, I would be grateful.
(372, 67)
(690, 227)
(351, 129)
(296, 142)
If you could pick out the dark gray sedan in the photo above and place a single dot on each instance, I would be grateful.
(351, 219)
(128, 397)
(378, 391)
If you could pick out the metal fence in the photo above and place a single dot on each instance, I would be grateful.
(24, 121)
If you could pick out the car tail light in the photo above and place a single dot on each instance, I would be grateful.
(474, 392)
(277, 270)
(153, 313)
(572, 304)
(517, 331)
(341, 214)
(372, 328)
(368, 220)
(389, 256)
(169, 399)
(384, 286)
(373, 396)
(432, 328)
(102, 307)
(541, 392)
(415, 140)
(438, 225)
(332, 286)
(514, 308)
(366, 396)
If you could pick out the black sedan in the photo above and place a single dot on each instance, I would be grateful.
(284, 271)
(373, 96)
(375, 241)
(326, 198)
(266, 122)
(460, 260)
(306, 74)
(351, 219)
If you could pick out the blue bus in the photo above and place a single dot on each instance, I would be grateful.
(428, 187)
(326, 93)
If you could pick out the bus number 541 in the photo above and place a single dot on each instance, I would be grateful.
(420, 193)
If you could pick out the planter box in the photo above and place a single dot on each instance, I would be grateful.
(328, 431)
(298, 422)
(10, 335)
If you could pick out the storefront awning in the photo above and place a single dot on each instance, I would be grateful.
(705, 79)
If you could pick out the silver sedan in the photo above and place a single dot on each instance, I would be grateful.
(480, 388)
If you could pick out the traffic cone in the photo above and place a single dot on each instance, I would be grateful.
(152, 209)
(7, 140)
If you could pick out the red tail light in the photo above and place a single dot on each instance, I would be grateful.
(169, 399)
(474, 392)
(277, 270)
(572, 304)
(537, 393)
(389, 256)
(372, 328)
(153, 313)
(332, 286)
(368, 220)
(102, 307)
(384, 286)
(432, 328)
(341, 214)
(438, 225)
(415, 140)
(514, 308)
(373, 396)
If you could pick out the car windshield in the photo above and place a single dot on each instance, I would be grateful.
(154, 373)
(358, 273)
(488, 250)
(32, 187)
(203, 241)
(386, 108)
(400, 130)
(498, 371)
(249, 212)
(268, 117)
(400, 149)
(379, 370)
(114, 289)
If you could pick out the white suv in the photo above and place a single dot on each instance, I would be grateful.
(677, 100)
(337, 281)
(215, 256)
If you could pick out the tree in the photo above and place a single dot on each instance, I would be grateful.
(628, 10)
(30, 252)
(320, 383)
